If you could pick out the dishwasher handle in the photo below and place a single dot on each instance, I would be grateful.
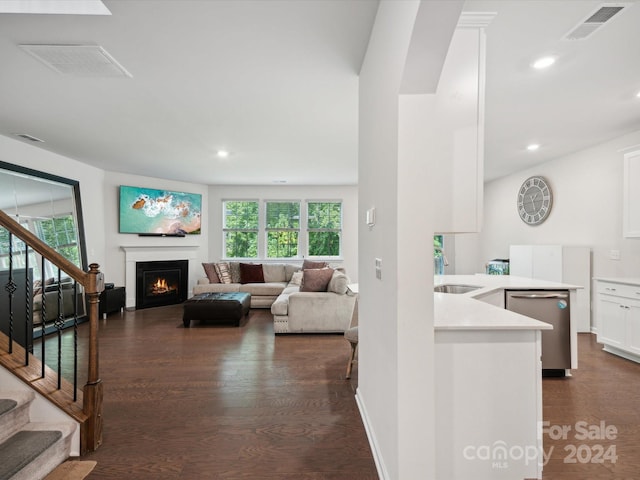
(538, 295)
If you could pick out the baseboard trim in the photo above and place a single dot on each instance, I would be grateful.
(377, 458)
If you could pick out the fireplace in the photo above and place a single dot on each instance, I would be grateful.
(161, 283)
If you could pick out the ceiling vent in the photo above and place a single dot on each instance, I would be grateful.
(77, 60)
(26, 136)
(595, 21)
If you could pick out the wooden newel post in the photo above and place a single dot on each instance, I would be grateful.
(91, 437)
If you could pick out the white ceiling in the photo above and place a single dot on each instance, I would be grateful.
(276, 83)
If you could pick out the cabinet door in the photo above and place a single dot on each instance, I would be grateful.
(633, 328)
(611, 321)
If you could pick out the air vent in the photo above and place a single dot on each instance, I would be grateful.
(77, 60)
(594, 21)
(28, 137)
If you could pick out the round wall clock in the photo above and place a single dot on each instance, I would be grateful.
(534, 200)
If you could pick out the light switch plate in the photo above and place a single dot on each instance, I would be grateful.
(379, 268)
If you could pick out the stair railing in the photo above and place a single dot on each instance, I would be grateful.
(18, 357)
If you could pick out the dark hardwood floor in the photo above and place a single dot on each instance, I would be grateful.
(213, 402)
(232, 403)
(599, 409)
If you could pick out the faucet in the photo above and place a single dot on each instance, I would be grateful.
(442, 255)
(439, 261)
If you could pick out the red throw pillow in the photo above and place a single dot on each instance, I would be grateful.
(316, 279)
(251, 273)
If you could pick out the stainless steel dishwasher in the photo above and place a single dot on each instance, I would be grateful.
(549, 306)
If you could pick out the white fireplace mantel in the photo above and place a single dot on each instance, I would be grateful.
(136, 253)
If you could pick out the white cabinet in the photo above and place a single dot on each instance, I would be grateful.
(618, 318)
(631, 195)
(457, 142)
(613, 315)
(558, 263)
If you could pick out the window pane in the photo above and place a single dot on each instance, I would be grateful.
(326, 215)
(283, 215)
(241, 244)
(242, 215)
(324, 244)
(282, 244)
(241, 229)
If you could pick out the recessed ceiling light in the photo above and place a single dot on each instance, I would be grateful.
(222, 154)
(533, 147)
(638, 94)
(543, 62)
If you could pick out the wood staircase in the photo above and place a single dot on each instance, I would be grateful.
(82, 407)
(30, 450)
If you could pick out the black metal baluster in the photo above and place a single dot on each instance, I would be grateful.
(59, 323)
(10, 287)
(75, 340)
(29, 301)
(43, 312)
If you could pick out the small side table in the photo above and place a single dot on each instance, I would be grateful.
(111, 300)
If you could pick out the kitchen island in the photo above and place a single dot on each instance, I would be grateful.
(489, 380)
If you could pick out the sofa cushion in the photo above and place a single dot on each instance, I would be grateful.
(309, 264)
(224, 274)
(339, 283)
(251, 273)
(296, 278)
(210, 272)
(274, 272)
(289, 270)
(281, 304)
(234, 269)
(260, 289)
(316, 279)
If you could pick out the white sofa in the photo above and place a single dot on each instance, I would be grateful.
(293, 311)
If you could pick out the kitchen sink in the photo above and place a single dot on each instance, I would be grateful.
(454, 288)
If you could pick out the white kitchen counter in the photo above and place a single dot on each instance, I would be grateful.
(621, 280)
(489, 379)
(465, 312)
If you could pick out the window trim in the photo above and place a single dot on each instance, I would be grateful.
(303, 229)
(248, 230)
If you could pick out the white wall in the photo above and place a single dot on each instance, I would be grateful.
(100, 203)
(587, 210)
(116, 240)
(395, 379)
(91, 188)
(347, 194)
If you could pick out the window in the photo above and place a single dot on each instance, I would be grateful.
(240, 229)
(324, 227)
(58, 232)
(282, 229)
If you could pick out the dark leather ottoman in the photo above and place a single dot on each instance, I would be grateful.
(228, 307)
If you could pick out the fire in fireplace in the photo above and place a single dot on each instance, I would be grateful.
(161, 283)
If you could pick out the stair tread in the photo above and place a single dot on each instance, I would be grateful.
(20, 449)
(7, 404)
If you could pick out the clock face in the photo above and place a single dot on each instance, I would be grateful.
(534, 200)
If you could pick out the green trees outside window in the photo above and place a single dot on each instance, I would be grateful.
(59, 233)
(324, 224)
(283, 229)
(241, 229)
